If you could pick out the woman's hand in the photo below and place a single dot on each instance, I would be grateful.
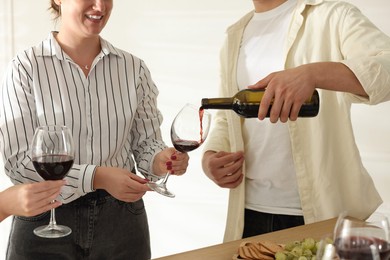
(120, 183)
(223, 168)
(30, 199)
(170, 160)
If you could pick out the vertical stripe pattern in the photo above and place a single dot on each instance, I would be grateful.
(112, 112)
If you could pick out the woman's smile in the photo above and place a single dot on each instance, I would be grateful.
(94, 17)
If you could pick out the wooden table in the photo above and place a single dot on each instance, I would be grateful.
(226, 251)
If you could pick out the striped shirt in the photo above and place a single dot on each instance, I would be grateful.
(112, 112)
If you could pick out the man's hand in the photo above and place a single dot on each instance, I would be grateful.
(223, 168)
(288, 89)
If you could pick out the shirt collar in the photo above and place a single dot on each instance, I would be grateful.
(50, 47)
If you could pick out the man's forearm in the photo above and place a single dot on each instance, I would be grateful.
(336, 76)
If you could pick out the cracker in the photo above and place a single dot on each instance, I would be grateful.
(254, 251)
(272, 247)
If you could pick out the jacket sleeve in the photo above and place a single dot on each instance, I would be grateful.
(367, 54)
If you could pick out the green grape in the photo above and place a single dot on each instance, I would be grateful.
(318, 245)
(304, 249)
(290, 256)
(280, 256)
(307, 253)
(297, 251)
(291, 245)
(308, 243)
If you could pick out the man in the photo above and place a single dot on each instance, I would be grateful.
(296, 170)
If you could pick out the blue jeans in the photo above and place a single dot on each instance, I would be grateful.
(257, 223)
(102, 228)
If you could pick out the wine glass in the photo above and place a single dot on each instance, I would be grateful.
(188, 131)
(325, 249)
(52, 154)
(356, 239)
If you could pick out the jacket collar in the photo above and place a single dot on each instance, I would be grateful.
(301, 5)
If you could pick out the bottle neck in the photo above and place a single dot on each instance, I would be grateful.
(217, 103)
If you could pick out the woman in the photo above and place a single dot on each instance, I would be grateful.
(107, 98)
(29, 199)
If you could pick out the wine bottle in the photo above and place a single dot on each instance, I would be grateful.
(246, 103)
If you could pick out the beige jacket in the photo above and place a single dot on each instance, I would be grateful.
(330, 174)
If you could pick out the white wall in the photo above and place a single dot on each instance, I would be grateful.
(180, 41)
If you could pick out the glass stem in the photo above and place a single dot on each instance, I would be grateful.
(164, 181)
(52, 222)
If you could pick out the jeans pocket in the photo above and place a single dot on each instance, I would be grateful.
(34, 218)
(137, 208)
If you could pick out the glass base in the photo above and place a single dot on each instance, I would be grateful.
(161, 189)
(52, 231)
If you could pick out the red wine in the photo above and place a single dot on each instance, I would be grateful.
(185, 146)
(53, 167)
(358, 248)
(201, 113)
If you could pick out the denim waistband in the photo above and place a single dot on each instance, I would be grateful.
(96, 197)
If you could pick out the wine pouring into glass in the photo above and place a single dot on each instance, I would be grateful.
(188, 131)
(52, 154)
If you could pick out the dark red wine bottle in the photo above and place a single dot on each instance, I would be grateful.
(246, 103)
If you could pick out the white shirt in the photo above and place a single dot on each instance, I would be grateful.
(271, 184)
(112, 112)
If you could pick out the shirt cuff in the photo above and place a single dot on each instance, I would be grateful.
(87, 177)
